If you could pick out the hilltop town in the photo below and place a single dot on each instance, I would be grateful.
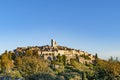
(49, 52)
(56, 62)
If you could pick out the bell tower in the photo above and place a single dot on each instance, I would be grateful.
(53, 43)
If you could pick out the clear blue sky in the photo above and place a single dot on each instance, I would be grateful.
(90, 25)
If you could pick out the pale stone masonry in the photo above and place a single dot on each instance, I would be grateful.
(53, 43)
(49, 52)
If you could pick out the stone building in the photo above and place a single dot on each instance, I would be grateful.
(49, 52)
(53, 43)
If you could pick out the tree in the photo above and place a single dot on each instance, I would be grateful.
(59, 58)
(29, 52)
(32, 65)
(64, 59)
(96, 59)
(111, 59)
(77, 58)
(116, 60)
(35, 53)
(96, 56)
(6, 62)
(84, 76)
(18, 61)
(107, 70)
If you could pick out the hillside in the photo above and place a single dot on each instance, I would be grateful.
(54, 62)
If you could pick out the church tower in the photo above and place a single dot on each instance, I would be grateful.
(53, 43)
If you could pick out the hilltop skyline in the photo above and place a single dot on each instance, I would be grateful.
(92, 26)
